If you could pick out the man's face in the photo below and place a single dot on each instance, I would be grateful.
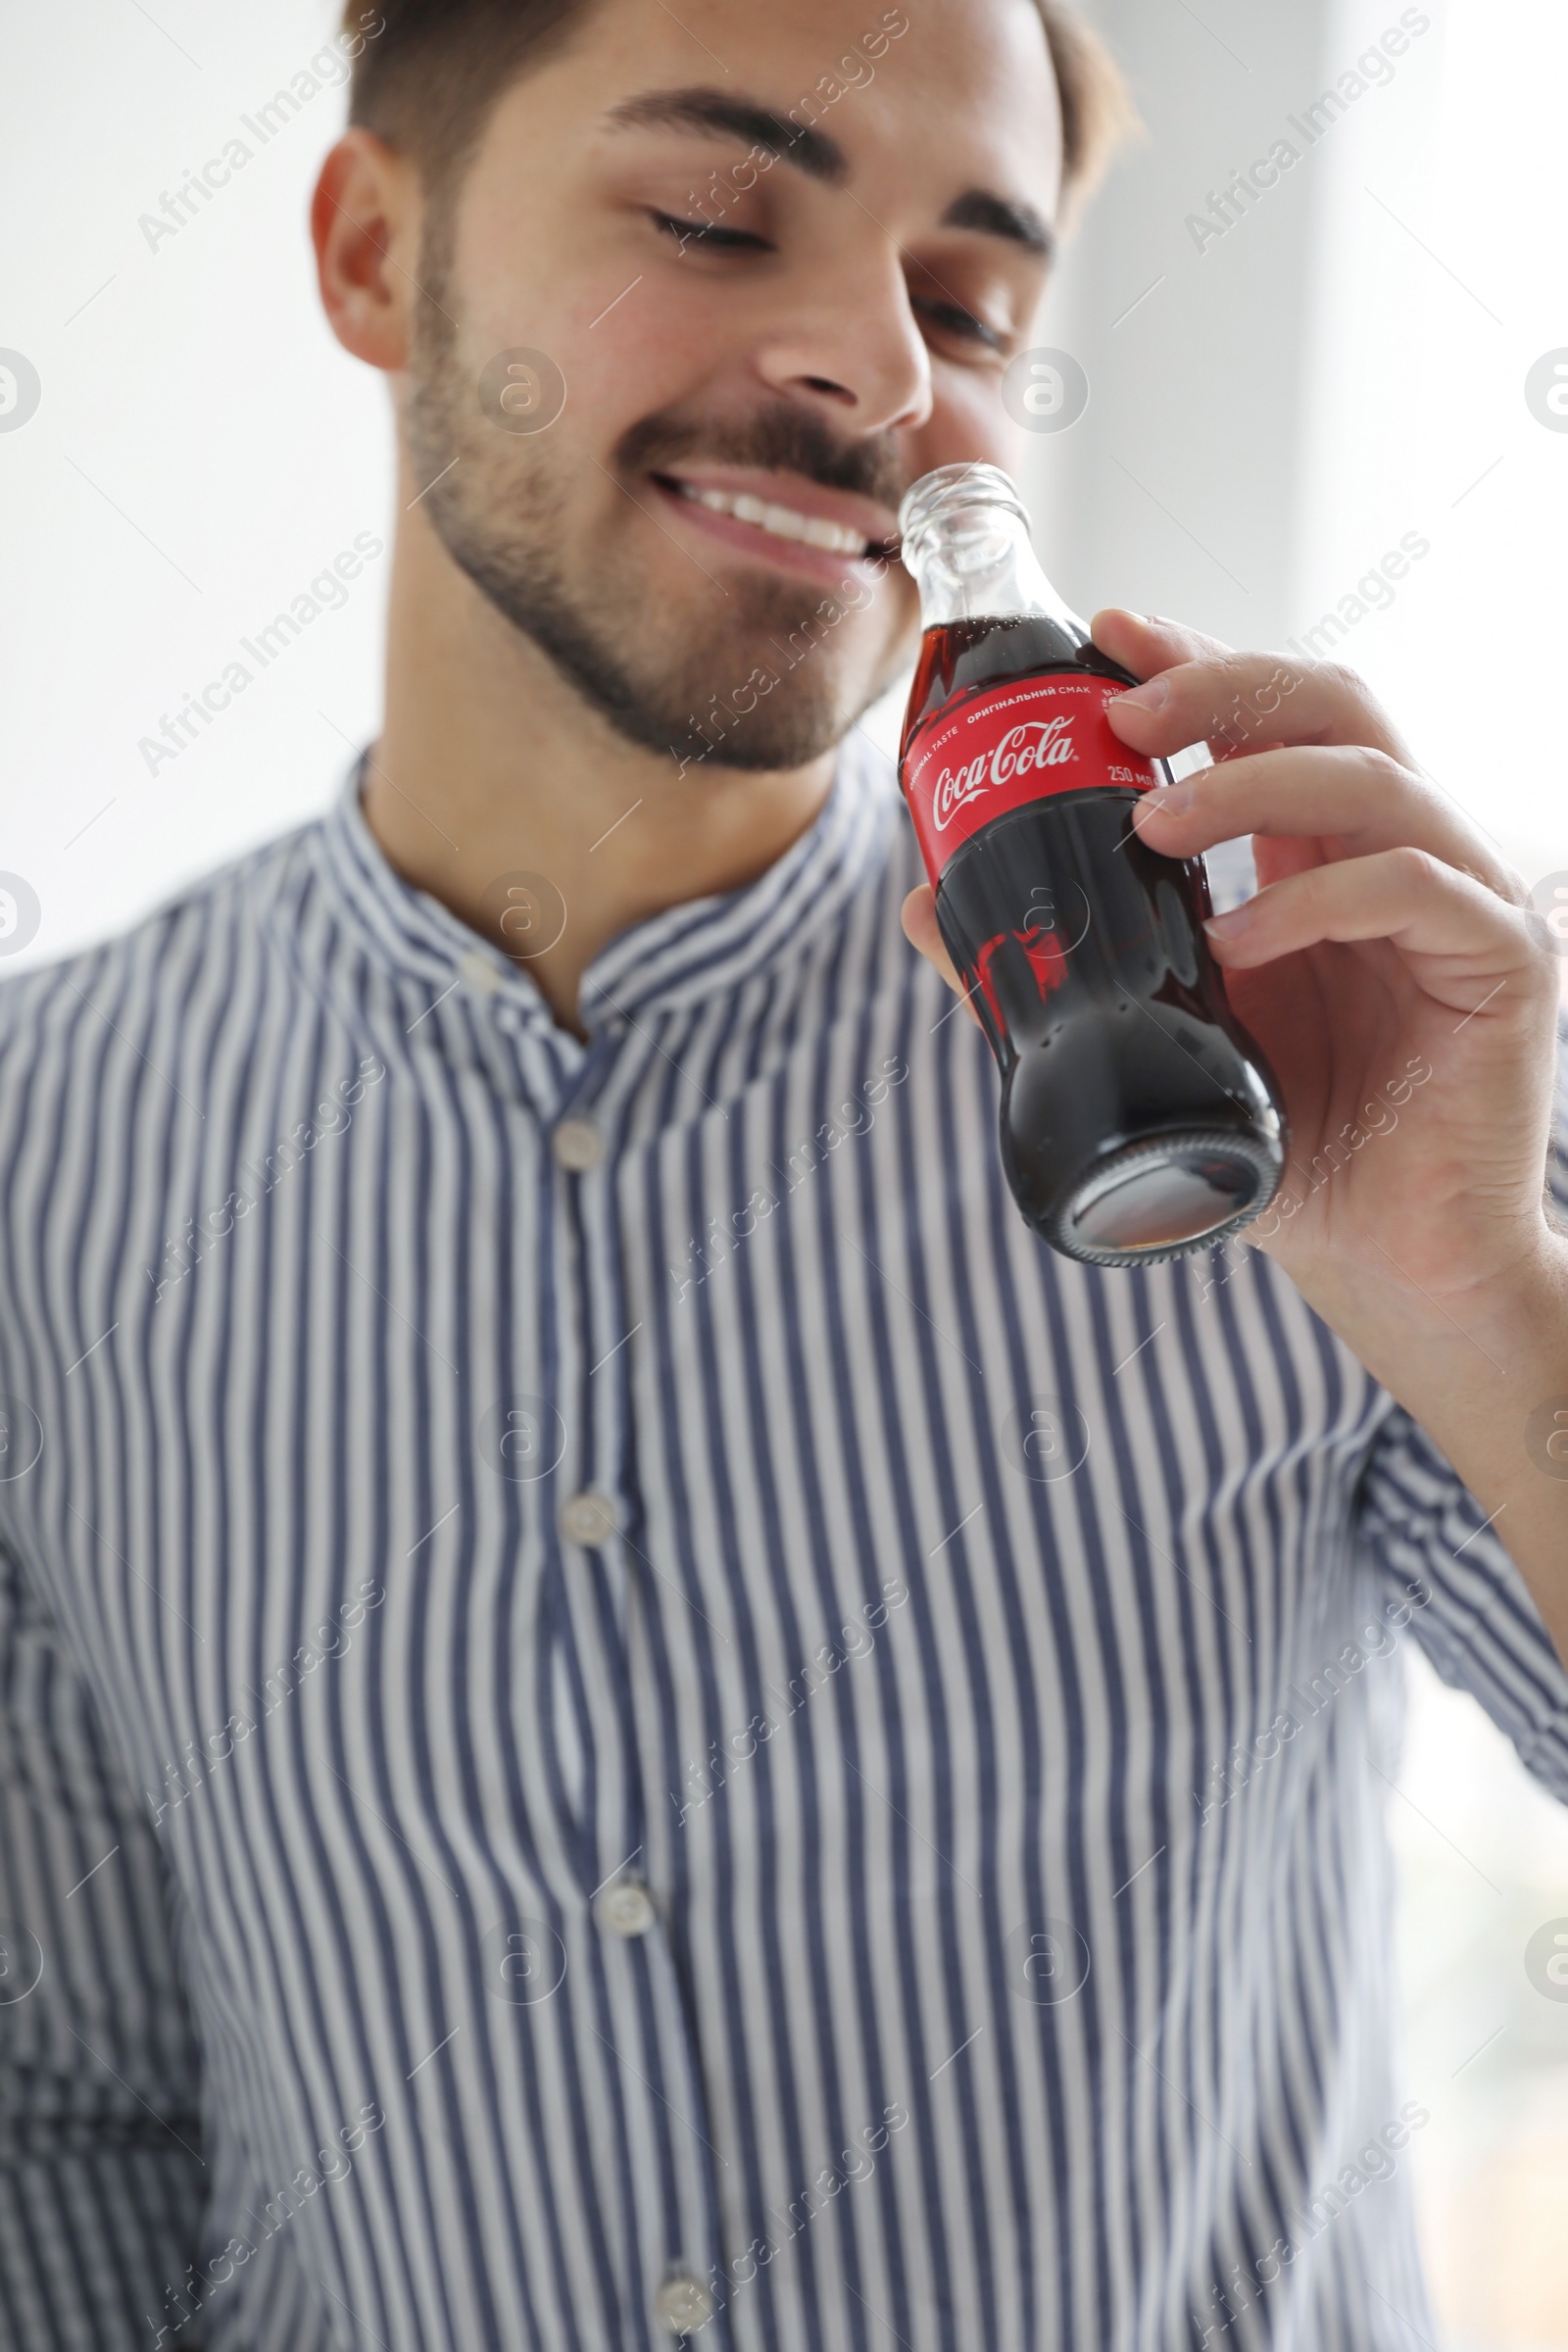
(781, 258)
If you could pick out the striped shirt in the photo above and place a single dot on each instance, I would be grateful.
(625, 1711)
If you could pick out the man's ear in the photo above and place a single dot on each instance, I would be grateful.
(364, 224)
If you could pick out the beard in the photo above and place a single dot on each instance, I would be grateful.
(663, 675)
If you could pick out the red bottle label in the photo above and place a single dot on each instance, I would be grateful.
(1012, 744)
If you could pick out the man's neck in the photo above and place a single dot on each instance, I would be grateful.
(490, 763)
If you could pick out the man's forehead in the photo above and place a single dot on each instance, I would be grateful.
(965, 88)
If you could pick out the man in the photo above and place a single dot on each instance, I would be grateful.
(630, 1714)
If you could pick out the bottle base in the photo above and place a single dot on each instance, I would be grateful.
(1162, 1198)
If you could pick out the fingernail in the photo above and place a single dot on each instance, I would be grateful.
(1229, 926)
(1177, 798)
(1153, 696)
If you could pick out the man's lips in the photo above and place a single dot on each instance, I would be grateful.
(780, 518)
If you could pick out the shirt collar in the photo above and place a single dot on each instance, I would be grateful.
(676, 957)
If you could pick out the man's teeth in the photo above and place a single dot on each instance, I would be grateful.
(782, 521)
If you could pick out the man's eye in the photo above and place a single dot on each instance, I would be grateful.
(706, 234)
(954, 319)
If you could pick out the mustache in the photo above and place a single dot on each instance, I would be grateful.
(780, 439)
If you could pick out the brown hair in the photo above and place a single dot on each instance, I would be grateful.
(426, 81)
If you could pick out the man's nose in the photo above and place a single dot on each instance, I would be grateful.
(851, 346)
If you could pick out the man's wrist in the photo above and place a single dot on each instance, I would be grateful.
(1485, 1372)
(1514, 1322)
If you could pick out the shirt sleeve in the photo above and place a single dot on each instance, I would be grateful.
(1471, 1609)
(102, 2182)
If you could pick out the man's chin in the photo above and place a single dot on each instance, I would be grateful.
(778, 710)
(769, 696)
(765, 723)
(757, 742)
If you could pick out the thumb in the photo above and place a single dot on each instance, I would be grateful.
(918, 915)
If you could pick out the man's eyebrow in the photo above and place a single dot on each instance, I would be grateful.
(1002, 217)
(722, 115)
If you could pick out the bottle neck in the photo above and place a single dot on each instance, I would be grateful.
(979, 564)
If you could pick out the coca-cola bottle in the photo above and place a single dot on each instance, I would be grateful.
(1139, 1121)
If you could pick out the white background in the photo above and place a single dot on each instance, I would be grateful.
(1266, 417)
(202, 451)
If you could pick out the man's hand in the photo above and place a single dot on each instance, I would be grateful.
(1388, 966)
(1407, 999)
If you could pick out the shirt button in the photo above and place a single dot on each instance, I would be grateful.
(683, 2305)
(627, 1909)
(477, 972)
(588, 1518)
(578, 1146)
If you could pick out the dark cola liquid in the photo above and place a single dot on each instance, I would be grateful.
(1139, 1121)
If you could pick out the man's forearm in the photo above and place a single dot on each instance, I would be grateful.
(1485, 1375)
